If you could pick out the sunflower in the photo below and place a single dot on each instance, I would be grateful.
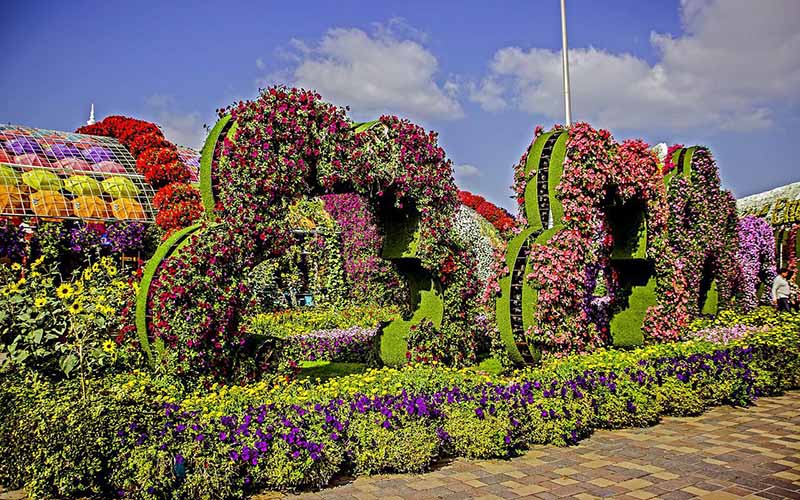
(109, 346)
(12, 288)
(75, 308)
(64, 291)
(40, 302)
(16, 266)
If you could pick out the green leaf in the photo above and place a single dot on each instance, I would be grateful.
(68, 363)
(37, 335)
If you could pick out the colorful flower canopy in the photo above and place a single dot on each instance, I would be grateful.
(42, 179)
(90, 207)
(71, 165)
(109, 167)
(12, 200)
(126, 208)
(77, 164)
(96, 154)
(120, 187)
(82, 185)
(8, 175)
(50, 204)
(61, 150)
(22, 145)
(31, 159)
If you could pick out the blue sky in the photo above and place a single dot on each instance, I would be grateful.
(725, 73)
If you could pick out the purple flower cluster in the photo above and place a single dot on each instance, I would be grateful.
(371, 278)
(86, 238)
(756, 258)
(126, 238)
(12, 241)
(355, 344)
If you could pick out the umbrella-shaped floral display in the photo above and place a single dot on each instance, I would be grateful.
(31, 159)
(13, 200)
(126, 208)
(82, 185)
(120, 187)
(71, 163)
(109, 167)
(48, 203)
(42, 179)
(96, 154)
(61, 150)
(8, 176)
(23, 145)
(90, 207)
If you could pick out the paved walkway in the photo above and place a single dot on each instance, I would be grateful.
(725, 453)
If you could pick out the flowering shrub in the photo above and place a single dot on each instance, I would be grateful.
(756, 258)
(369, 277)
(684, 243)
(127, 238)
(497, 216)
(482, 242)
(354, 344)
(178, 206)
(294, 322)
(157, 441)
(56, 327)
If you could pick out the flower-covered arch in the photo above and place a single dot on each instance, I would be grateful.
(260, 157)
(618, 248)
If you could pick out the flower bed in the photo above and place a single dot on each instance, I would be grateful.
(355, 344)
(145, 438)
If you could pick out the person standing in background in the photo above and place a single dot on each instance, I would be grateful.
(781, 290)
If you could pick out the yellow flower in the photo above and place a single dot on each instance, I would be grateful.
(37, 262)
(109, 346)
(40, 302)
(13, 288)
(75, 308)
(64, 291)
(16, 266)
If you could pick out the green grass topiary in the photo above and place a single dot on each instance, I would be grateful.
(206, 162)
(162, 252)
(427, 305)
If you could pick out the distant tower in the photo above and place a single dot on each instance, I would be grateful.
(90, 121)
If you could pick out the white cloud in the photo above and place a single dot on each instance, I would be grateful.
(465, 171)
(260, 63)
(377, 73)
(185, 129)
(735, 64)
(489, 95)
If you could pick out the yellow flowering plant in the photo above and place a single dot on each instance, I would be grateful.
(56, 327)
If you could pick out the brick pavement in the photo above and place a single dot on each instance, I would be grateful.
(725, 453)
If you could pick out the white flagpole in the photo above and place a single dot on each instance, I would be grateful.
(565, 65)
